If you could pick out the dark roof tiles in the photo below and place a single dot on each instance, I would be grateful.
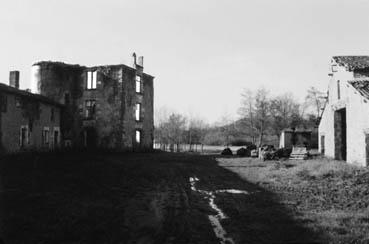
(362, 86)
(352, 62)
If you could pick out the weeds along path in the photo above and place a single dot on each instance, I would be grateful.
(136, 198)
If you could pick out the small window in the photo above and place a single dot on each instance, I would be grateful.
(138, 84)
(91, 80)
(66, 98)
(52, 115)
(338, 90)
(3, 103)
(45, 135)
(138, 136)
(138, 111)
(17, 102)
(56, 136)
(24, 136)
(90, 106)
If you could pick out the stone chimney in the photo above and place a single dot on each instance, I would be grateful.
(134, 60)
(14, 79)
(140, 61)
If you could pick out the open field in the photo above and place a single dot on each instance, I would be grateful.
(139, 198)
(326, 195)
(205, 149)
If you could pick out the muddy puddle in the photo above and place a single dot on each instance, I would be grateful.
(215, 220)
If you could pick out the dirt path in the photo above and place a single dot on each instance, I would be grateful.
(138, 198)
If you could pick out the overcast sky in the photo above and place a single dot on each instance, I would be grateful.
(202, 52)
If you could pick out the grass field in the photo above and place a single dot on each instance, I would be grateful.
(328, 196)
(138, 198)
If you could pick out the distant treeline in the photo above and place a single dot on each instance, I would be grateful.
(261, 120)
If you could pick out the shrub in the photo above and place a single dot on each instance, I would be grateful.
(283, 152)
(227, 152)
(251, 147)
(243, 152)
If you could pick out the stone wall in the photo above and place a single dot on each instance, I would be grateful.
(62, 83)
(114, 123)
(32, 115)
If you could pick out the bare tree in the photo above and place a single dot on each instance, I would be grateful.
(262, 112)
(316, 100)
(227, 127)
(174, 129)
(195, 132)
(161, 118)
(247, 113)
(285, 113)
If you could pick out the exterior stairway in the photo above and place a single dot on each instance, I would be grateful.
(299, 153)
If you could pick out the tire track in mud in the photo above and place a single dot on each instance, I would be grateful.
(215, 220)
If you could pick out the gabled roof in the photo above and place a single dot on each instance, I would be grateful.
(8, 89)
(362, 86)
(352, 62)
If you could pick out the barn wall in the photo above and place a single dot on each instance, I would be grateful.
(357, 126)
(357, 117)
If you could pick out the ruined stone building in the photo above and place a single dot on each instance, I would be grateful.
(27, 121)
(344, 126)
(108, 106)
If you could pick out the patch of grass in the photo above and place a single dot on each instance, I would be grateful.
(325, 195)
(258, 171)
(321, 168)
(342, 225)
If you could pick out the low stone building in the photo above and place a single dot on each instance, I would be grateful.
(295, 137)
(109, 106)
(27, 121)
(344, 125)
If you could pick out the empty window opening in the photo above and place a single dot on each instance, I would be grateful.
(56, 137)
(45, 136)
(91, 80)
(3, 103)
(23, 139)
(52, 115)
(66, 98)
(138, 111)
(138, 84)
(90, 108)
(338, 90)
(17, 102)
(138, 136)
